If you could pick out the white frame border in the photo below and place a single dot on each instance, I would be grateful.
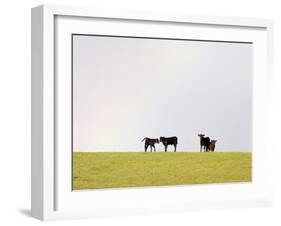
(43, 104)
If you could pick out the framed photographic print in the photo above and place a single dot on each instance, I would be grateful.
(136, 113)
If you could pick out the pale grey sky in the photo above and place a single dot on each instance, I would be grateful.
(125, 89)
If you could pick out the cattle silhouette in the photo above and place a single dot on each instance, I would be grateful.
(150, 142)
(204, 142)
(212, 145)
(169, 141)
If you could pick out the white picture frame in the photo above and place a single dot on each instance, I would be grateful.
(52, 196)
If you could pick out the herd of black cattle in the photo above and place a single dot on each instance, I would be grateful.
(205, 143)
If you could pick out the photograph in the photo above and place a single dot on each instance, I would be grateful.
(149, 111)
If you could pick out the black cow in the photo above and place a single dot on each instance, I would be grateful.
(150, 142)
(204, 142)
(169, 141)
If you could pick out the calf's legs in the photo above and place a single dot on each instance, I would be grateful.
(145, 148)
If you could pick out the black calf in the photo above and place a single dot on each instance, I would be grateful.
(150, 142)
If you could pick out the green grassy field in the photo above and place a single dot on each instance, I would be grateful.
(129, 169)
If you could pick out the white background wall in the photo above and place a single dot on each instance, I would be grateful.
(15, 112)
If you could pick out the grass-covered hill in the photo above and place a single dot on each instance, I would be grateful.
(134, 169)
